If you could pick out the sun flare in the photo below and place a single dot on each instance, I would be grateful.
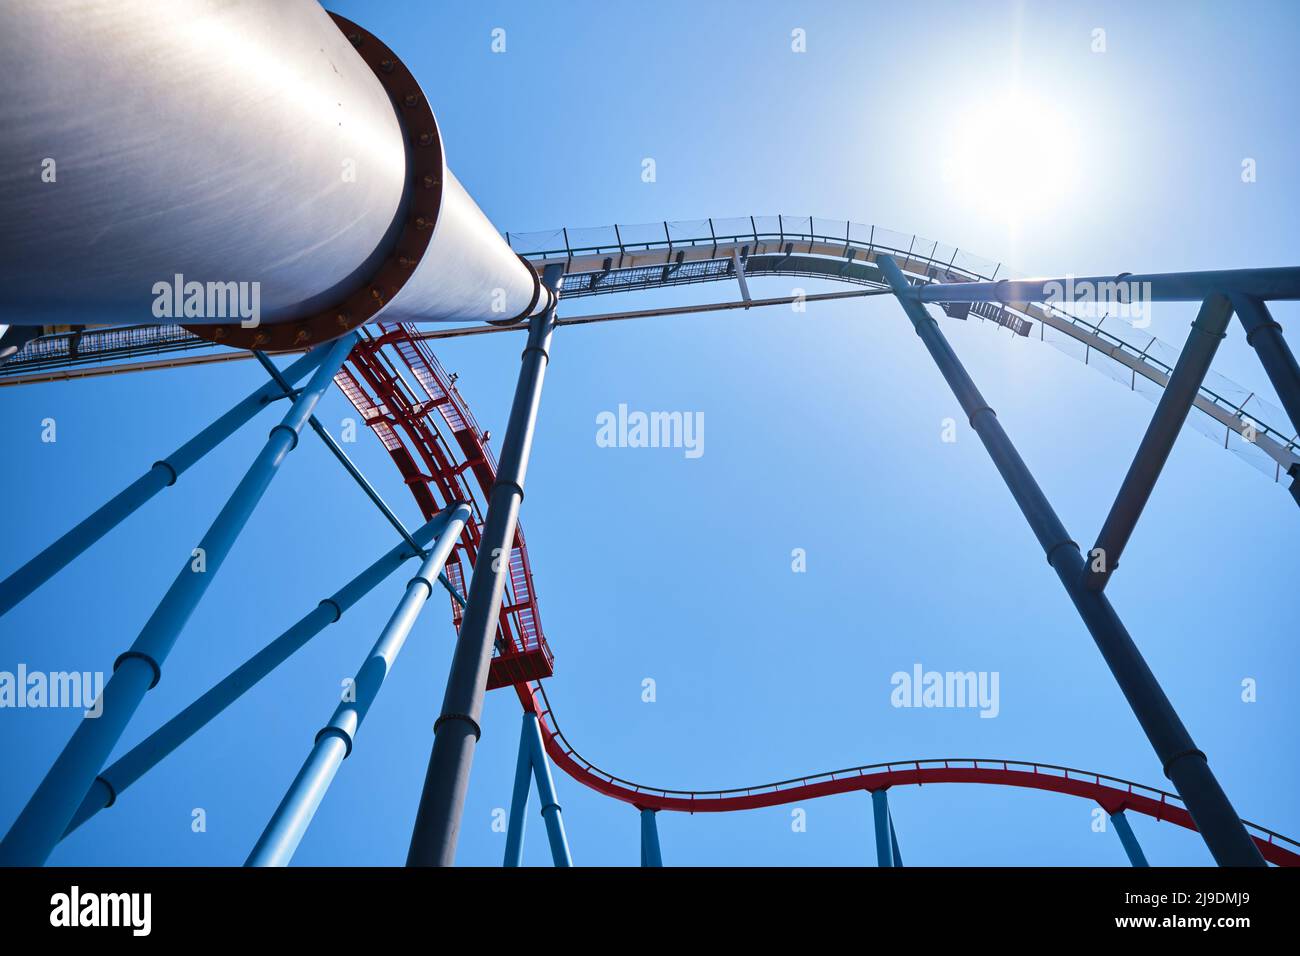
(1013, 157)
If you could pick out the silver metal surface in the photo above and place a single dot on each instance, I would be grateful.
(221, 141)
(195, 137)
(468, 272)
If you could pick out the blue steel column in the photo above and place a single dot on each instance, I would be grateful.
(142, 758)
(884, 841)
(519, 799)
(334, 742)
(546, 792)
(893, 842)
(457, 729)
(163, 474)
(1182, 762)
(1171, 412)
(46, 817)
(1126, 837)
(650, 855)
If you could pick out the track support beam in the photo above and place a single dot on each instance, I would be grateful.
(546, 793)
(362, 482)
(1126, 837)
(1171, 413)
(519, 800)
(457, 730)
(163, 474)
(1182, 761)
(1265, 335)
(530, 765)
(142, 758)
(650, 855)
(893, 841)
(334, 743)
(884, 828)
(49, 812)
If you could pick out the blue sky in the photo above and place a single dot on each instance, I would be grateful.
(823, 433)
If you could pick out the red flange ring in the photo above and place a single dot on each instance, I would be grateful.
(425, 174)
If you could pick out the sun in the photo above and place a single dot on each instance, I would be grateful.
(1013, 157)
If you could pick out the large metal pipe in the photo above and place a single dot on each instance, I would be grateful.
(208, 159)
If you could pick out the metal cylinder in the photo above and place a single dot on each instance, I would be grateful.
(239, 164)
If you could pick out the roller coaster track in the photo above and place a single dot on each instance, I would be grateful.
(408, 400)
(391, 405)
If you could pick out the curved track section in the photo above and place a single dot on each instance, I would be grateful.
(411, 403)
(623, 258)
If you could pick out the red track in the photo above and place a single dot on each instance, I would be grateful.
(423, 432)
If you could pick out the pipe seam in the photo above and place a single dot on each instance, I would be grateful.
(445, 718)
(148, 659)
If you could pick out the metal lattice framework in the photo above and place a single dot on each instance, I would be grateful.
(413, 406)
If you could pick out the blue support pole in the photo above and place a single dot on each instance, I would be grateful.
(884, 836)
(519, 799)
(163, 474)
(1182, 761)
(650, 855)
(138, 761)
(334, 742)
(46, 817)
(1126, 837)
(546, 792)
(337, 451)
(893, 842)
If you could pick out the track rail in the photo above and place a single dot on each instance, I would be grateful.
(425, 425)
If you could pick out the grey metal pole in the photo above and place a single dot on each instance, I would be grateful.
(1265, 336)
(1171, 412)
(456, 732)
(1182, 762)
(1282, 282)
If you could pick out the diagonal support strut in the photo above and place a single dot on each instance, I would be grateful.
(1182, 761)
